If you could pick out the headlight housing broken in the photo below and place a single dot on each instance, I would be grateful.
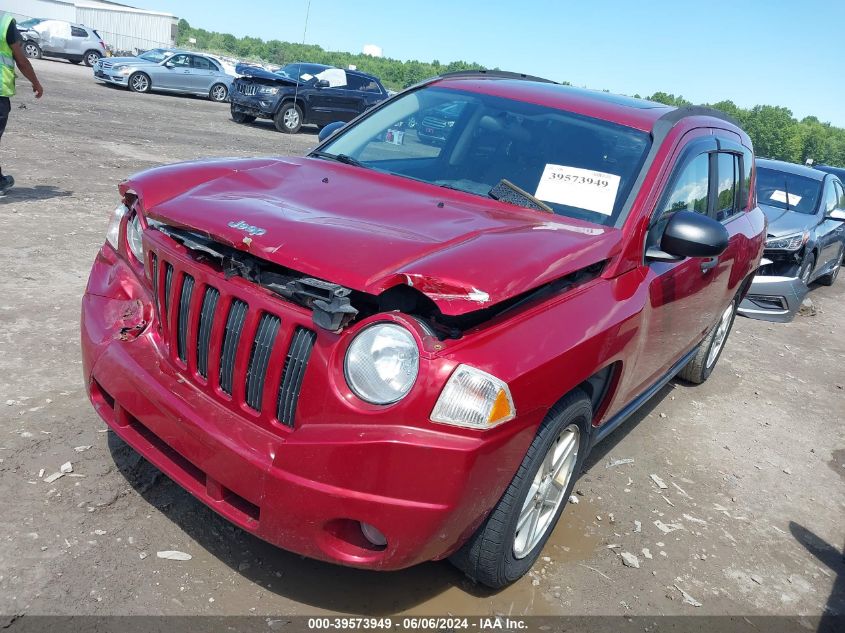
(474, 399)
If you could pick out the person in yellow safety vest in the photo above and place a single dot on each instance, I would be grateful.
(11, 53)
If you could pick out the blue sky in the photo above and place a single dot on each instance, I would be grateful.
(752, 52)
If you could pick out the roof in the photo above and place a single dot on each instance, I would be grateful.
(636, 113)
(791, 168)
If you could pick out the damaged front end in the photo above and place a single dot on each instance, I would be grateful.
(334, 306)
(772, 296)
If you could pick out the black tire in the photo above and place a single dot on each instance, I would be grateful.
(829, 278)
(31, 50)
(91, 58)
(699, 369)
(139, 82)
(219, 93)
(807, 268)
(289, 118)
(75, 61)
(488, 556)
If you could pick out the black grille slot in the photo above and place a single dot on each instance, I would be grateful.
(209, 306)
(184, 316)
(154, 267)
(168, 280)
(294, 371)
(231, 337)
(256, 373)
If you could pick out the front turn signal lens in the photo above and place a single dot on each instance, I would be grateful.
(474, 399)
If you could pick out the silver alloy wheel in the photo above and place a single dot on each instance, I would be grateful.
(720, 335)
(140, 83)
(546, 492)
(291, 118)
(219, 92)
(92, 59)
(30, 50)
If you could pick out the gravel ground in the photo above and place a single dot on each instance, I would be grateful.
(750, 521)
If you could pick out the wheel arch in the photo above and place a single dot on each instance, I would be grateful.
(298, 100)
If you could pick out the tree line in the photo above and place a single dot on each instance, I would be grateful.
(775, 132)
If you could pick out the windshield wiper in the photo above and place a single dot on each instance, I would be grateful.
(508, 192)
(340, 158)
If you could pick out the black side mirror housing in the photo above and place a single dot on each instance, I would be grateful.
(330, 129)
(322, 83)
(690, 234)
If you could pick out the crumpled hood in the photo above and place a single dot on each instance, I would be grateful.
(783, 222)
(370, 231)
(248, 70)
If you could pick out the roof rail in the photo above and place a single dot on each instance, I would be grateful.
(494, 74)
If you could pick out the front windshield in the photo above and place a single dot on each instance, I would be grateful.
(773, 187)
(31, 22)
(576, 166)
(156, 55)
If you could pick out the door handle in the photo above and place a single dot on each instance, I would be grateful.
(708, 263)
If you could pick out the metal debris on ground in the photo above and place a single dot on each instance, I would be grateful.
(173, 555)
(51, 478)
(659, 482)
(573, 499)
(66, 468)
(81, 449)
(638, 526)
(688, 599)
(618, 462)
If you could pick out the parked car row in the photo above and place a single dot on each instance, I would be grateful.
(403, 346)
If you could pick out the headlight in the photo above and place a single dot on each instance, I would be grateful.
(133, 238)
(267, 90)
(382, 363)
(788, 242)
(474, 399)
(113, 232)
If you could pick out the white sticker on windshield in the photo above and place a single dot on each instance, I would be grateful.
(576, 187)
(780, 196)
(306, 77)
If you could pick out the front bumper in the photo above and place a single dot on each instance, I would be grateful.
(260, 106)
(106, 76)
(773, 298)
(306, 489)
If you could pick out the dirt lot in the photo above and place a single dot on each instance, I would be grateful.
(754, 460)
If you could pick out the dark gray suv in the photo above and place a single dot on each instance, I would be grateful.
(805, 208)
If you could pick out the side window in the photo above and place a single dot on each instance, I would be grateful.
(75, 31)
(354, 82)
(840, 194)
(201, 63)
(830, 197)
(745, 191)
(689, 192)
(180, 61)
(727, 170)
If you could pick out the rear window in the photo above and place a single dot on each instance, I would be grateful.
(787, 191)
(577, 166)
(75, 31)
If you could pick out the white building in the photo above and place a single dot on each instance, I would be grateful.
(124, 28)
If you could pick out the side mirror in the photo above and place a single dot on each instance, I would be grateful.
(169, 65)
(690, 234)
(330, 129)
(836, 214)
(322, 83)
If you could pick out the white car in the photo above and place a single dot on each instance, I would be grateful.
(57, 38)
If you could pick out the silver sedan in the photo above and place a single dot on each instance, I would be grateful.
(167, 71)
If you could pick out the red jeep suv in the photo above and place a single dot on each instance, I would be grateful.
(389, 351)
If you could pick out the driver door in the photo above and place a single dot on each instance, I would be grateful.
(174, 73)
(686, 297)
